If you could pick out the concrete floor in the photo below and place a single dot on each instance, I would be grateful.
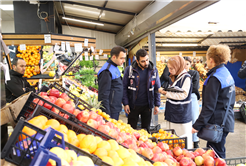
(235, 142)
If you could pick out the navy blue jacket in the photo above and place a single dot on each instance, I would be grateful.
(215, 97)
(131, 86)
(110, 87)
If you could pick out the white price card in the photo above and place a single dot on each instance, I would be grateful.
(86, 42)
(180, 53)
(22, 47)
(96, 56)
(40, 83)
(81, 57)
(63, 46)
(100, 52)
(91, 58)
(92, 49)
(194, 53)
(47, 38)
(78, 47)
(56, 47)
(68, 46)
(158, 58)
(86, 54)
(105, 55)
(86, 58)
(158, 53)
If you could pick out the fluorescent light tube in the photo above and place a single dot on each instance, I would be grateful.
(179, 45)
(83, 21)
(7, 7)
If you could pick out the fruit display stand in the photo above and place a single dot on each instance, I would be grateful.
(240, 161)
(22, 147)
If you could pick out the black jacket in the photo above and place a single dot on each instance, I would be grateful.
(110, 87)
(165, 77)
(215, 98)
(242, 71)
(195, 82)
(17, 86)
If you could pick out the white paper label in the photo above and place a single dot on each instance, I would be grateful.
(81, 57)
(22, 47)
(100, 52)
(158, 58)
(47, 38)
(86, 54)
(40, 83)
(92, 49)
(158, 53)
(86, 42)
(194, 53)
(68, 46)
(86, 58)
(105, 55)
(56, 47)
(96, 56)
(63, 46)
(78, 47)
(91, 58)
(180, 53)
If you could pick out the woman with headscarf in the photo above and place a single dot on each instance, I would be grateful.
(178, 105)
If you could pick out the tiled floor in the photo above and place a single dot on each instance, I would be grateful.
(235, 142)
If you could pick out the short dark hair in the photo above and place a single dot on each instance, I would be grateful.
(116, 51)
(141, 53)
(15, 60)
(187, 58)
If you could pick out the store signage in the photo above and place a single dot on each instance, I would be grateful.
(92, 49)
(63, 48)
(100, 52)
(78, 47)
(47, 38)
(96, 56)
(22, 47)
(105, 56)
(86, 42)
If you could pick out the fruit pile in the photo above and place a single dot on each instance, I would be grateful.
(32, 57)
(160, 67)
(69, 158)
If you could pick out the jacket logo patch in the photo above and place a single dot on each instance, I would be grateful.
(131, 81)
(153, 82)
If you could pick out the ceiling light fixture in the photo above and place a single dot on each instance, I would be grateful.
(7, 7)
(85, 10)
(179, 45)
(83, 21)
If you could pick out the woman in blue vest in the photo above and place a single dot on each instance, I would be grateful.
(217, 90)
(178, 105)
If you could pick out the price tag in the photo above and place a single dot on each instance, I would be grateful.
(47, 38)
(194, 53)
(105, 55)
(86, 58)
(86, 42)
(63, 46)
(100, 52)
(68, 46)
(81, 57)
(158, 53)
(92, 49)
(40, 83)
(56, 47)
(180, 53)
(96, 57)
(91, 58)
(78, 47)
(86, 54)
(22, 47)
(158, 58)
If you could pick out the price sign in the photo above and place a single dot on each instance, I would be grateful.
(96, 57)
(63, 46)
(180, 53)
(105, 56)
(194, 53)
(91, 58)
(92, 49)
(100, 52)
(86, 58)
(158, 53)
(68, 46)
(47, 38)
(56, 47)
(86, 42)
(158, 58)
(78, 47)
(22, 47)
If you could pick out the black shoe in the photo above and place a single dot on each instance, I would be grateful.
(196, 144)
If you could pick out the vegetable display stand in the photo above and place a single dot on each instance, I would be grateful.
(235, 161)
(21, 147)
(181, 142)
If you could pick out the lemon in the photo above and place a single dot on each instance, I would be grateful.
(52, 74)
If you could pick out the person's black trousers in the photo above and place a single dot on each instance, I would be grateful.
(4, 135)
(219, 147)
(145, 113)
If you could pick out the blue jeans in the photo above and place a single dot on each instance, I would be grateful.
(195, 114)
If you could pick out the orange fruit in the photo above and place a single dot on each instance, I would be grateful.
(113, 144)
(80, 136)
(100, 152)
(104, 144)
(71, 134)
(107, 160)
(53, 123)
(89, 143)
(63, 128)
(74, 141)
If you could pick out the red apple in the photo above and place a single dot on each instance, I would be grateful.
(147, 152)
(143, 145)
(119, 139)
(184, 151)
(55, 110)
(38, 101)
(128, 141)
(60, 102)
(64, 96)
(133, 147)
(156, 149)
(163, 156)
(189, 155)
(46, 105)
(137, 135)
(123, 136)
(192, 163)
(163, 146)
(92, 123)
(143, 138)
(220, 162)
(196, 154)
(113, 133)
(93, 115)
(83, 116)
(199, 160)
(209, 161)
(177, 151)
(76, 112)
(210, 153)
(43, 94)
(104, 128)
(126, 145)
(71, 103)
(156, 157)
(170, 162)
(169, 152)
(200, 151)
(68, 108)
(184, 161)
(53, 99)
(110, 124)
(149, 144)
(179, 157)
(140, 149)
(54, 92)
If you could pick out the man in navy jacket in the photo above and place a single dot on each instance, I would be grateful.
(110, 88)
(140, 83)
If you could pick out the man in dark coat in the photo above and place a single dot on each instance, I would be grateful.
(242, 72)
